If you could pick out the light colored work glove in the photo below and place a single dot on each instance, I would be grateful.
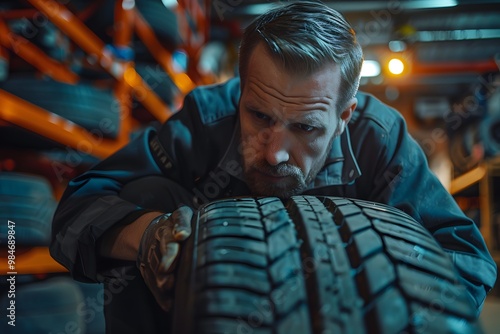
(158, 251)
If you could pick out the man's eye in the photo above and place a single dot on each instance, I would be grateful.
(261, 116)
(305, 127)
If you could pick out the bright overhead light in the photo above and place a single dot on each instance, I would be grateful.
(367, 5)
(370, 68)
(420, 4)
(396, 66)
(169, 3)
(128, 4)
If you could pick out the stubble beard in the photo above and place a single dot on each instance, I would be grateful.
(294, 182)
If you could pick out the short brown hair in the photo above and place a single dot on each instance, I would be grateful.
(304, 36)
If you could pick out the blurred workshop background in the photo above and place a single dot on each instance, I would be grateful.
(79, 78)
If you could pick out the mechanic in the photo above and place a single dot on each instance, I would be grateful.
(294, 123)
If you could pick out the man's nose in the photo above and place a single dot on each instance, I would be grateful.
(276, 150)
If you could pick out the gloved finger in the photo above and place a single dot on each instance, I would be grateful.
(182, 223)
(169, 252)
(165, 304)
(165, 282)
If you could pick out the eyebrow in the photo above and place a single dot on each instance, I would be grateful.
(311, 117)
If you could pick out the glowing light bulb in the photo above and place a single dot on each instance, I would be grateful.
(396, 66)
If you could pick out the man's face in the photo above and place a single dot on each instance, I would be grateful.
(288, 123)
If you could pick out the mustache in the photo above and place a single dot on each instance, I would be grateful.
(280, 170)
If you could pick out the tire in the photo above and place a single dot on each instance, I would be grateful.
(28, 201)
(315, 265)
(54, 305)
(159, 81)
(90, 107)
(162, 21)
(490, 135)
(45, 36)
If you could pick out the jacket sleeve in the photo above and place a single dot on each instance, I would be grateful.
(91, 204)
(403, 179)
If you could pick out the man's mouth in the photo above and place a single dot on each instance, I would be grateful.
(273, 177)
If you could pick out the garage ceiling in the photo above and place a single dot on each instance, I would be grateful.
(448, 44)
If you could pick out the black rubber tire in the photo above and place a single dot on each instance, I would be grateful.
(28, 201)
(55, 305)
(159, 81)
(90, 107)
(43, 34)
(162, 20)
(461, 145)
(315, 265)
(490, 135)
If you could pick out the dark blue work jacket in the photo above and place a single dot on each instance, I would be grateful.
(375, 159)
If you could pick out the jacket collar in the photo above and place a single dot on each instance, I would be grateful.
(340, 167)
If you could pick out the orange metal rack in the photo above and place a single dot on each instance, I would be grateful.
(128, 81)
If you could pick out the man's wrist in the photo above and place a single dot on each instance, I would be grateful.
(123, 242)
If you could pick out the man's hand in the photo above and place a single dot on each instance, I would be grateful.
(158, 252)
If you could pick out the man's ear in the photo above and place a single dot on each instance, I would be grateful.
(346, 114)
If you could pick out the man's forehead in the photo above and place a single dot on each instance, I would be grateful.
(261, 96)
(267, 75)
